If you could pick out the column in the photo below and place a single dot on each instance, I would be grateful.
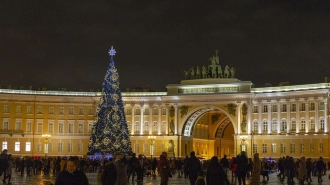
(298, 124)
(239, 117)
(151, 124)
(249, 121)
(159, 118)
(141, 119)
(288, 119)
(176, 119)
(133, 121)
(260, 117)
(166, 132)
(307, 116)
(326, 115)
(269, 110)
(316, 115)
(278, 117)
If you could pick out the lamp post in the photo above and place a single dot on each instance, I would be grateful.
(152, 141)
(46, 137)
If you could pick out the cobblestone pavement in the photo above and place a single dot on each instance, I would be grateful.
(47, 180)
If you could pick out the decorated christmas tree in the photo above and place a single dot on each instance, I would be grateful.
(110, 132)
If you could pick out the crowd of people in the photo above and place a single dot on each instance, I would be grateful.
(122, 169)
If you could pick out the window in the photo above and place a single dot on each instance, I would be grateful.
(155, 111)
(60, 127)
(146, 112)
(321, 106)
(274, 108)
(90, 111)
(303, 107)
(28, 146)
(255, 148)
(255, 126)
(292, 148)
(146, 127)
(80, 128)
(255, 109)
(39, 128)
(293, 125)
(81, 111)
(19, 110)
(163, 127)
(265, 108)
(71, 111)
(265, 126)
(70, 147)
(61, 110)
(274, 125)
(284, 125)
(5, 125)
(137, 127)
(17, 146)
(50, 147)
(18, 125)
(293, 109)
(128, 111)
(70, 128)
(302, 125)
(51, 110)
(322, 124)
(312, 106)
(90, 128)
(137, 148)
(80, 147)
(60, 147)
(29, 110)
(6, 109)
(155, 127)
(264, 148)
(137, 111)
(39, 109)
(312, 121)
(284, 108)
(311, 147)
(282, 148)
(302, 148)
(51, 127)
(4, 145)
(29, 126)
(145, 148)
(129, 127)
(321, 148)
(274, 148)
(39, 146)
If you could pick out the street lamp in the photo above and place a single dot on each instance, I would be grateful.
(46, 136)
(152, 141)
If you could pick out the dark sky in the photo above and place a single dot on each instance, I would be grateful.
(59, 43)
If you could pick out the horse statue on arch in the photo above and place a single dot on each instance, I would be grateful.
(226, 72)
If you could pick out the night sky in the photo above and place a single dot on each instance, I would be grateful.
(64, 44)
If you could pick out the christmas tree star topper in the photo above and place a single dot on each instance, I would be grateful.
(112, 52)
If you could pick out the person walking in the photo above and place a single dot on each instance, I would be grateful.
(224, 162)
(215, 175)
(9, 170)
(302, 170)
(109, 175)
(3, 164)
(193, 166)
(320, 169)
(265, 169)
(163, 168)
(242, 163)
(72, 176)
(133, 163)
(121, 171)
(256, 170)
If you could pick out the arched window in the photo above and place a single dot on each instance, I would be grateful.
(274, 125)
(284, 125)
(321, 123)
(155, 127)
(137, 127)
(146, 127)
(129, 126)
(163, 128)
(255, 126)
(264, 125)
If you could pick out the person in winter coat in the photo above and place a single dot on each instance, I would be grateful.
(9, 169)
(72, 176)
(256, 171)
(164, 169)
(320, 168)
(265, 169)
(121, 171)
(193, 166)
(309, 168)
(302, 171)
(200, 179)
(109, 175)
(215, 175)
(242, 163)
